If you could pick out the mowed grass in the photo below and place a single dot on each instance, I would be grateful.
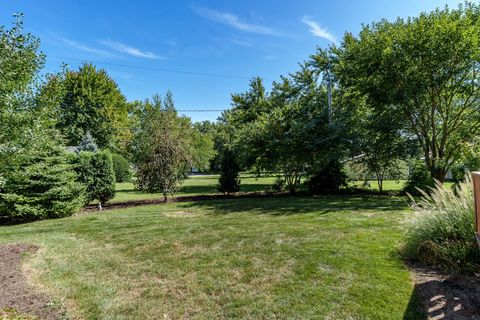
(207, 185)
(194, 185)
(275, 258)
(388, 185)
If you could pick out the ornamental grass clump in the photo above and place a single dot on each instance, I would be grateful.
(443, 233)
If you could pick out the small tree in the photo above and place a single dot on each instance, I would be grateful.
(228, 181)
(121, 167)
(328, 179)
(95, 171)
(162, 147)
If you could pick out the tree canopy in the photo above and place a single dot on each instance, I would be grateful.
(426, 69)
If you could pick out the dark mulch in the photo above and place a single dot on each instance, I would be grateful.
(15, 292)
(440, 296)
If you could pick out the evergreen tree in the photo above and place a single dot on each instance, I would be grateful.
(87, 143)
(121, 167)
(41, 185)
(95, 172)
(228, 181)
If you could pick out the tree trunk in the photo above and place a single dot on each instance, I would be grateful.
(438, 174)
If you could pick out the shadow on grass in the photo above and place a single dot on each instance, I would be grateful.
(453, 297)
(288, 205)
(207, 189)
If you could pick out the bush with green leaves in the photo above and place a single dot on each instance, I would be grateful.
(442, 234)
(228, 181)
(419, 178)
(329, 179)
(40, 185)
(95, 172)
(121, 167)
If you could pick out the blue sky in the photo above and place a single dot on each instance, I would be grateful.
(137, 41)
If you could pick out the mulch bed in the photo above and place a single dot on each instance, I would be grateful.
(15, 292)
(445, 296)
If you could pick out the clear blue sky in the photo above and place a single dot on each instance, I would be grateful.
(235, 38)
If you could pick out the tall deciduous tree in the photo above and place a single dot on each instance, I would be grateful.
(426, 69)
(20, 61)
(87, 100)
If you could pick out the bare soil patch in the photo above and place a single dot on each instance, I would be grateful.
(445, 297)
(15, 292)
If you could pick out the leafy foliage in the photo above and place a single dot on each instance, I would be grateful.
(425, 69)
(443, 233)
(121, 167)
(20, 61)
(290, 129)
(329, 179)
(162, 148)
(419, 178)
(228, 181)
(87, 101)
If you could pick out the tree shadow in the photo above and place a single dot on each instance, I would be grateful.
(444, 297)
(289, 205)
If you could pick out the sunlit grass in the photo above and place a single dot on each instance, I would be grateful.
(194, 185)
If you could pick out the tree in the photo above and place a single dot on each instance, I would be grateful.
(20, 61)
(427, 70)
(37, 180)
(95, 172)
(203, 151)
(383, 143)
(228, 181)
(87, 101)
(292, 129)
(161, 148)
(121, 167)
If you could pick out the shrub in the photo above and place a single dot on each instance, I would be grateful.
(95, 172)
(278, 184)
(121, 167)
(443, 232)
(228, 181)
(42, 185)
(327, 180)
(419, 178)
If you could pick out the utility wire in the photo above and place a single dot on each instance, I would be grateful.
(206, 74)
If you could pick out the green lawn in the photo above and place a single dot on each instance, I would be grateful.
(389, 185)
(287, 258)
(194, 185)
(207, 184)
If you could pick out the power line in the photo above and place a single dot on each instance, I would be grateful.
(207, 74)
(200, 110)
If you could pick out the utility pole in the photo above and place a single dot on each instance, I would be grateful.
(329, 94)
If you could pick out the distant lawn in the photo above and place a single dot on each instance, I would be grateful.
(207, 184)
(388, 185)
(194, 185)
(289, 258)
